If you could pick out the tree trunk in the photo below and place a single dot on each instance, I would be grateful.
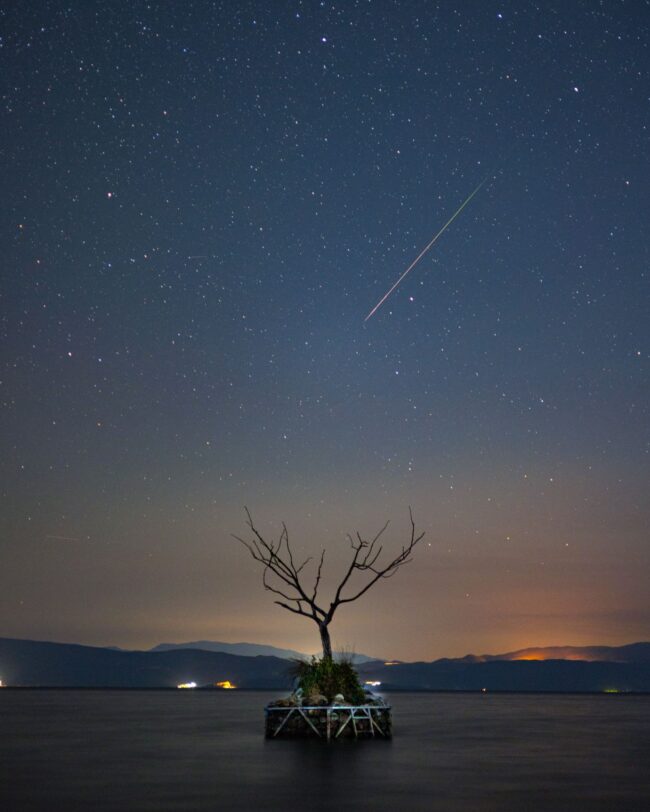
(325, 640)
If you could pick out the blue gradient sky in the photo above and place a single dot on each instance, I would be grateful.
(203, 201)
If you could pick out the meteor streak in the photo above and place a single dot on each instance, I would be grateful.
(424, 250)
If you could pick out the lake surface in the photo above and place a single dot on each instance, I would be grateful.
(191, 750)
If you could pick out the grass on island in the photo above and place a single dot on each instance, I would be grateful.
(320, 678)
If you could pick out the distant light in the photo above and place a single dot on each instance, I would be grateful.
(372, 682)
(392, 662)
(2, 685)
(226, 685)
(187, 685)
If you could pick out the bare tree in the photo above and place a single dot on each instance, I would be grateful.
(287, 577)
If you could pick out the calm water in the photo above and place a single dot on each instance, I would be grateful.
(123, 750)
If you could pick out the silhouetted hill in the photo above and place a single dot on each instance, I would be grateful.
(240, 649)
(30, 663)
(249, 650)
(623, 668)
(514, 675)
(632, 653)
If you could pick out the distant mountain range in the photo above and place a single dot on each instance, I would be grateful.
(632, 653)
(240, 649)
(250, 650)
(30, 663)
(601, 668)
(623, 669)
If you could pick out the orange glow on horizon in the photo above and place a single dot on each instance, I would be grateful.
(530, 657)
(553, 655)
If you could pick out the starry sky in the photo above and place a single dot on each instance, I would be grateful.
(201, 202)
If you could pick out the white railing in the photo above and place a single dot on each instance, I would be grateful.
(338, 718)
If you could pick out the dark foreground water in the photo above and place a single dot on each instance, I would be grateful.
(185, 750)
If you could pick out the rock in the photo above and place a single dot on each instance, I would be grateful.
(283, 702)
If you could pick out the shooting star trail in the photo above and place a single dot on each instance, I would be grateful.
(424, 251)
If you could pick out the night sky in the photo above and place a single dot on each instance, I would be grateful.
(201, 202)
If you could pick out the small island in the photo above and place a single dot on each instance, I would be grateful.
(328, 701)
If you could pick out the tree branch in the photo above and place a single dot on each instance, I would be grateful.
(270, 555)
(368, 564)
(292, 609)
(357, 546)
(318, 575)
(277, 560)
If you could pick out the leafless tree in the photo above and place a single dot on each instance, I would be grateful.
(282, 576)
